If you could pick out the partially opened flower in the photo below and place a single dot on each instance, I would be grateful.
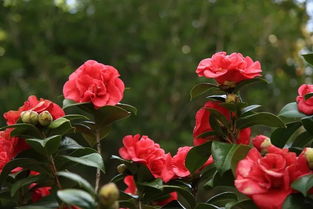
(227, 69)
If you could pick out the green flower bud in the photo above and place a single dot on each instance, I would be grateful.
(121, 168)
(108, 195)
(45, 118)
(231, 98)
(29, 117)
(308, 153)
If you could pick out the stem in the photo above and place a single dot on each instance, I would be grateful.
(54, 172)
(139, 205)
(98, 173)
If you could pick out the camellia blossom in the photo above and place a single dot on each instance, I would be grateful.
(96, 83)
(267, 178)
(231, 68)
(9, 147)
(305, 105)
(203, 124)
(145, 150)
(36, 105)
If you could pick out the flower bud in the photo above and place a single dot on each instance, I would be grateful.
(231, 98)
(308, 153)
(45, 118)
(108, 195)
(121, 168)
(29, 117)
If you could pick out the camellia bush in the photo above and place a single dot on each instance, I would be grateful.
(41, 149)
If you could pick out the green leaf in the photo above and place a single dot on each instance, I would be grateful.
(81, 182)
(47, 202)
(77, 197)
(308, 96)
(92, 160)
(108, 114)
(233, 107)
(23, 182)
(75, 117)
(60, 126)
(281, 135)
(308, 58)
(24, 130)
(248, 82)
(308, 123)
(128, 108)
(290, 113)
(303, 184)
(182, 192)
(197, 156)
(302, 140)
(200, 89)
(69, 144)
(262, 118)
(45, 146)
(156, 184)
(206, 206)
(222, 199)
(297, 201)
(249, 108)
(67, 103)
(244, 204)
(173, 205)
(226, 156)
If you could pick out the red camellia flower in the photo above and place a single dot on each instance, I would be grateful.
(39, 192)
(9, 147)
(96, 83)
(36, 105)
(179, 167)
(267, 178)
(231, 68)
(305, 105)
(203, 125)
(145, 150)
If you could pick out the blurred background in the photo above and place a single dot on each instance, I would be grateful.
(156, 46)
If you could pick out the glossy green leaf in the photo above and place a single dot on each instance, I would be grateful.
(197, 156)
(248, 82)
(69, 144)
(45, 146)
(77, 197)
(297, 201)
(128, 108)
(308, 123)
(303, 184)
(92, 160)
(308, 58)
(22, 183)
(75, 117)
(187, 195)
(200, 89)
(233, 107)
(60, 126)
(290, 113)
(244, 204)
(226, 155)
(262, 118)
(81, 182)
(67, 103)
(222, 199)
(24, 130)
(108, 114)
(302, 140)
(156, 184)
(281, 135)
(173, 205)
(249, 108)
(206, 206)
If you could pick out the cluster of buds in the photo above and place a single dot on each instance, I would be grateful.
(108, 196)
(32, 117)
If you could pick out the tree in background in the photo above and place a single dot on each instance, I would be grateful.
(156, 46)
